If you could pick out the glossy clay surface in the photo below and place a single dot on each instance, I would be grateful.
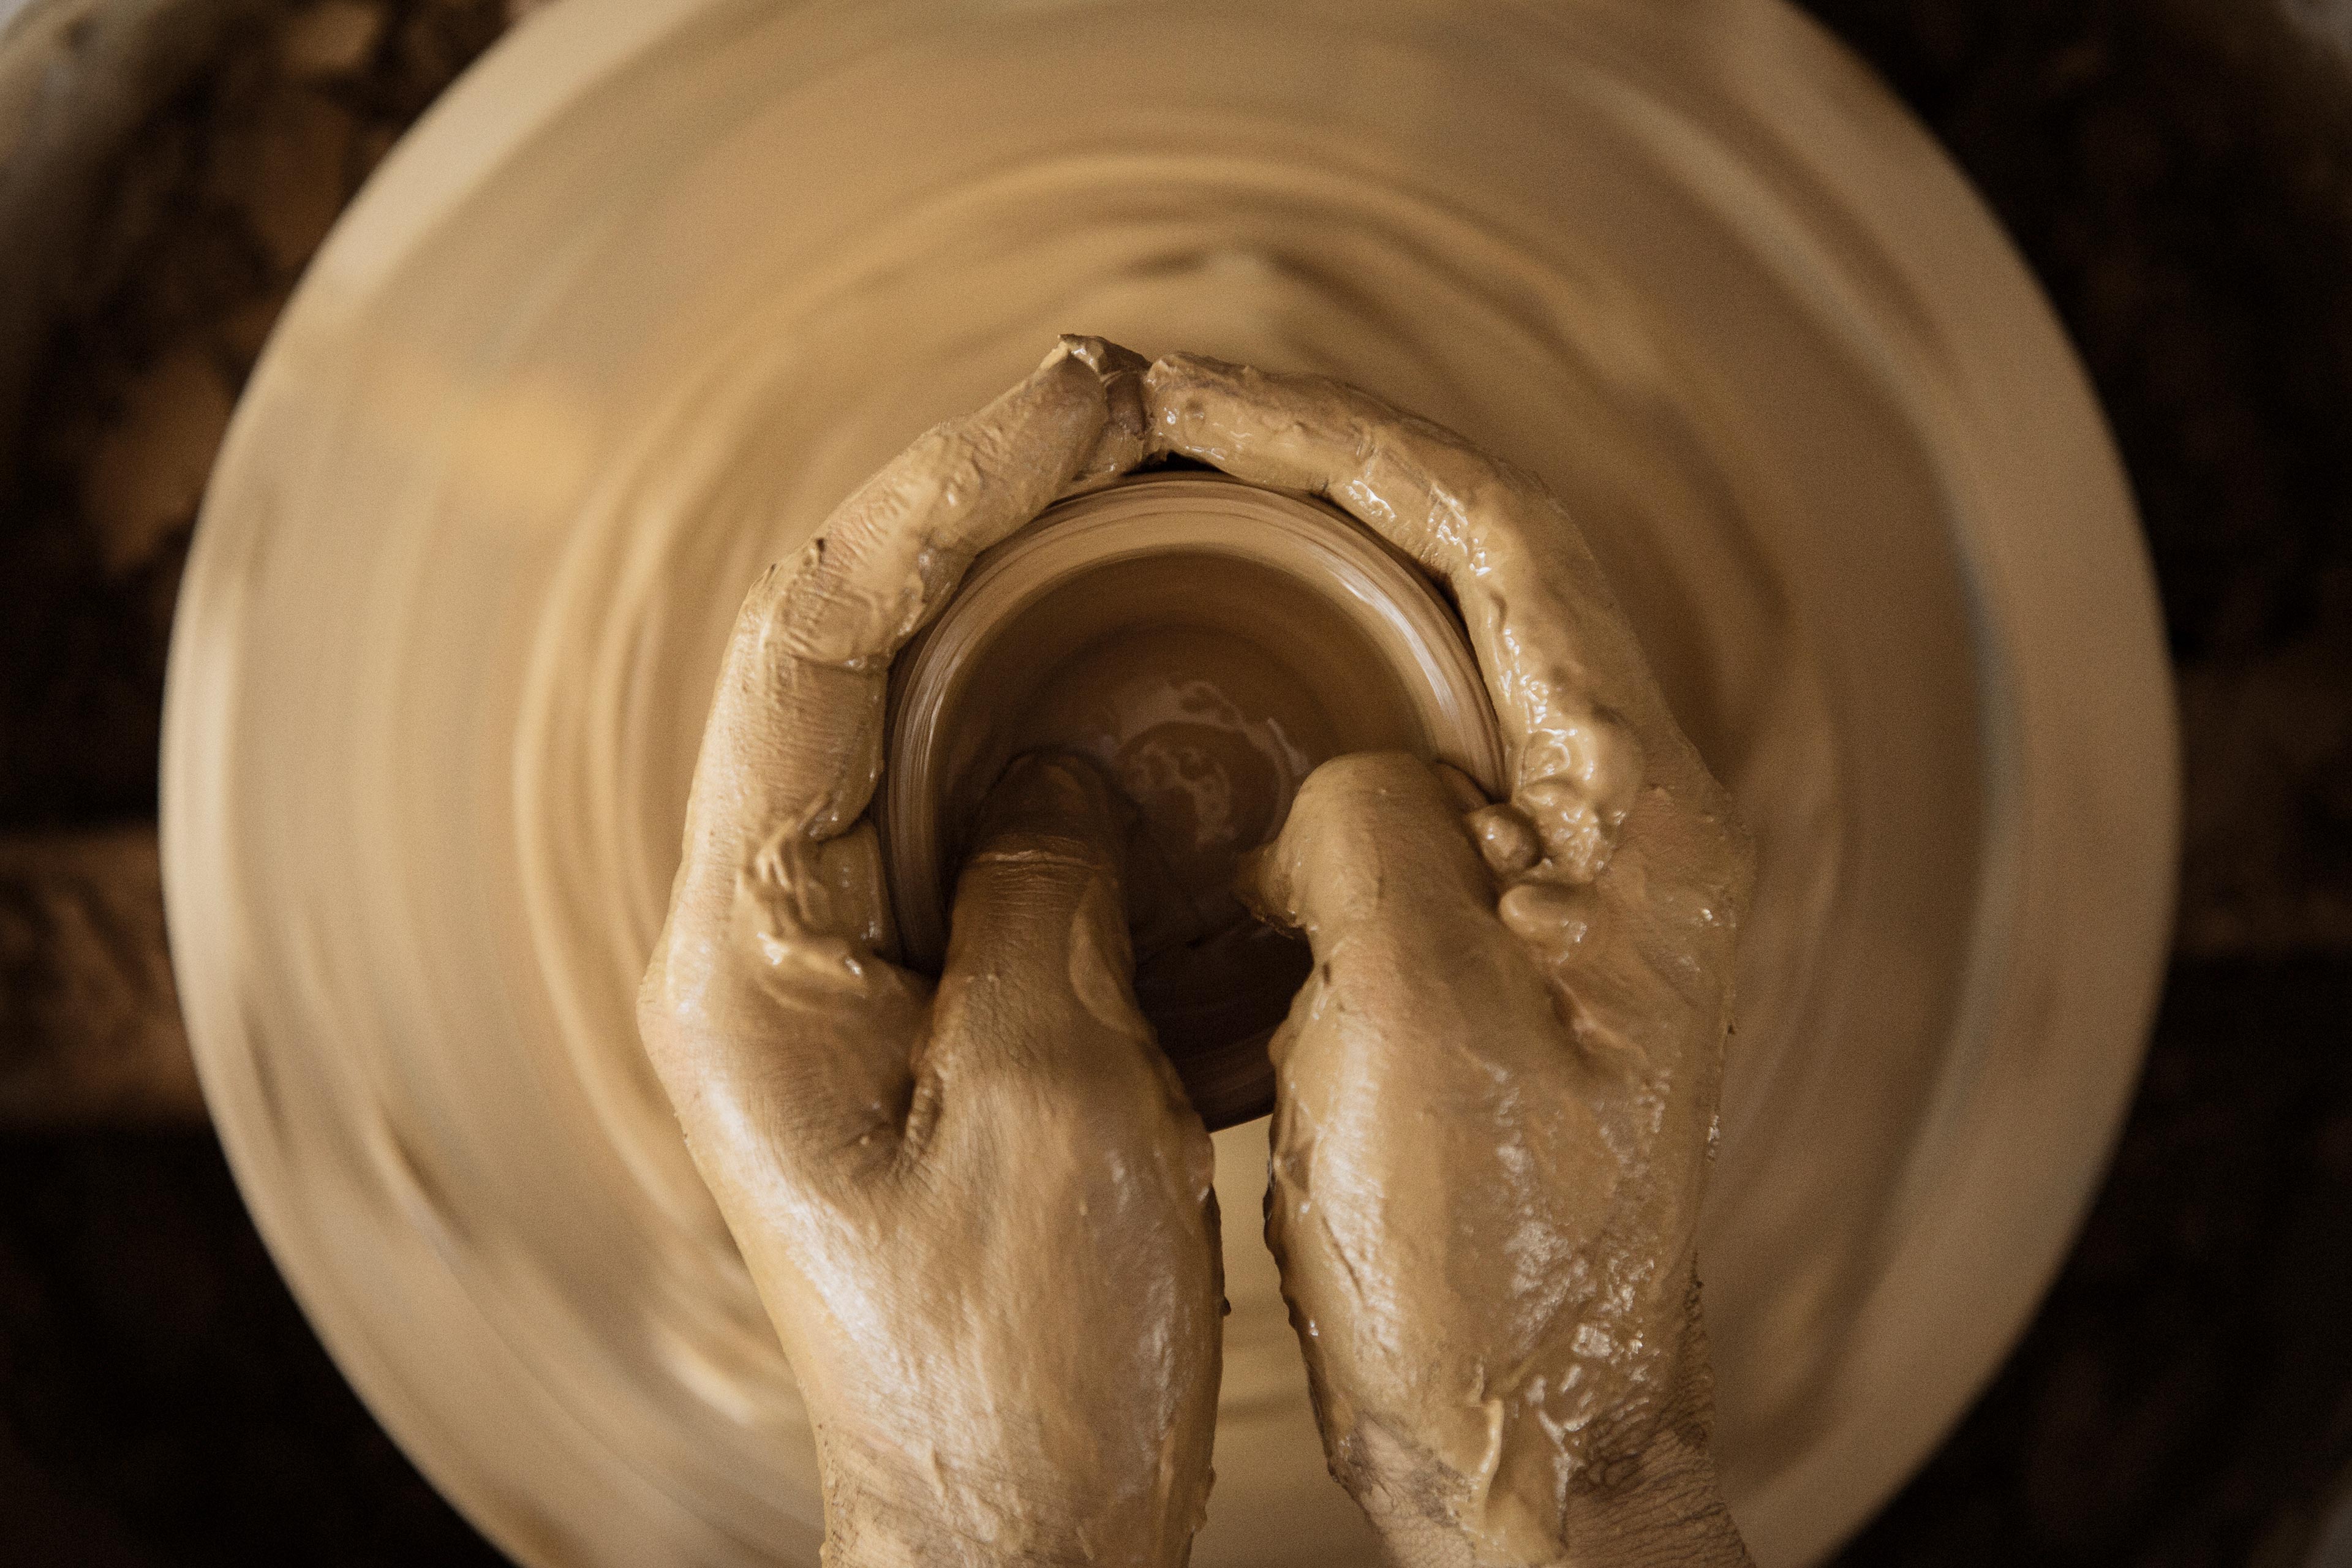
(660, 282)
(1206, 644)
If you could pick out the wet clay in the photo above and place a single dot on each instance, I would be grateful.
(1205, 644)
(1208, 737)
(660, 283)
(1516, 1062)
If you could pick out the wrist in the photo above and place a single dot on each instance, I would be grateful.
(1662, 1509)
(884, 1510)
(1672, 1516)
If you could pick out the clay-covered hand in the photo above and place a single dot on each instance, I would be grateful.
(979, 1213)
(1496, 1094)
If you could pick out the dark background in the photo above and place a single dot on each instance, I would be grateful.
(2179, 173)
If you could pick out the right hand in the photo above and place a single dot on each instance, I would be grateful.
(1496, 1094)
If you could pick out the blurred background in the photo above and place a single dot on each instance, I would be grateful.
(2178, 174)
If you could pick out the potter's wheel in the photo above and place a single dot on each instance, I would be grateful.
(659, 281)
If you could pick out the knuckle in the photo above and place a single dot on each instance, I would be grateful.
(1575, 838)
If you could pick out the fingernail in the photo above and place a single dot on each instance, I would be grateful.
(1545, 915)
(1506, 841)
(1103, 356)
(1054, 781)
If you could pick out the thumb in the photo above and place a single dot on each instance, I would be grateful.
(1372, 838)
(1038, 958)
(1376, 865)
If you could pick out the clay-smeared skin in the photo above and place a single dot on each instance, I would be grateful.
(1495, 1093)
(981, 1213)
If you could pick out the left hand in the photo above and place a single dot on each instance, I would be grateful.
(979, 1214)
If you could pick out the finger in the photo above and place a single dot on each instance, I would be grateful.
(794, 745)
(1395, 889)
(765, 975)
(795, 738)
(1126, 430)
(1583, 721)
(1039, 967)
(1374, 866)
(890, 555)
(1377, 851)
(1370, 838)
